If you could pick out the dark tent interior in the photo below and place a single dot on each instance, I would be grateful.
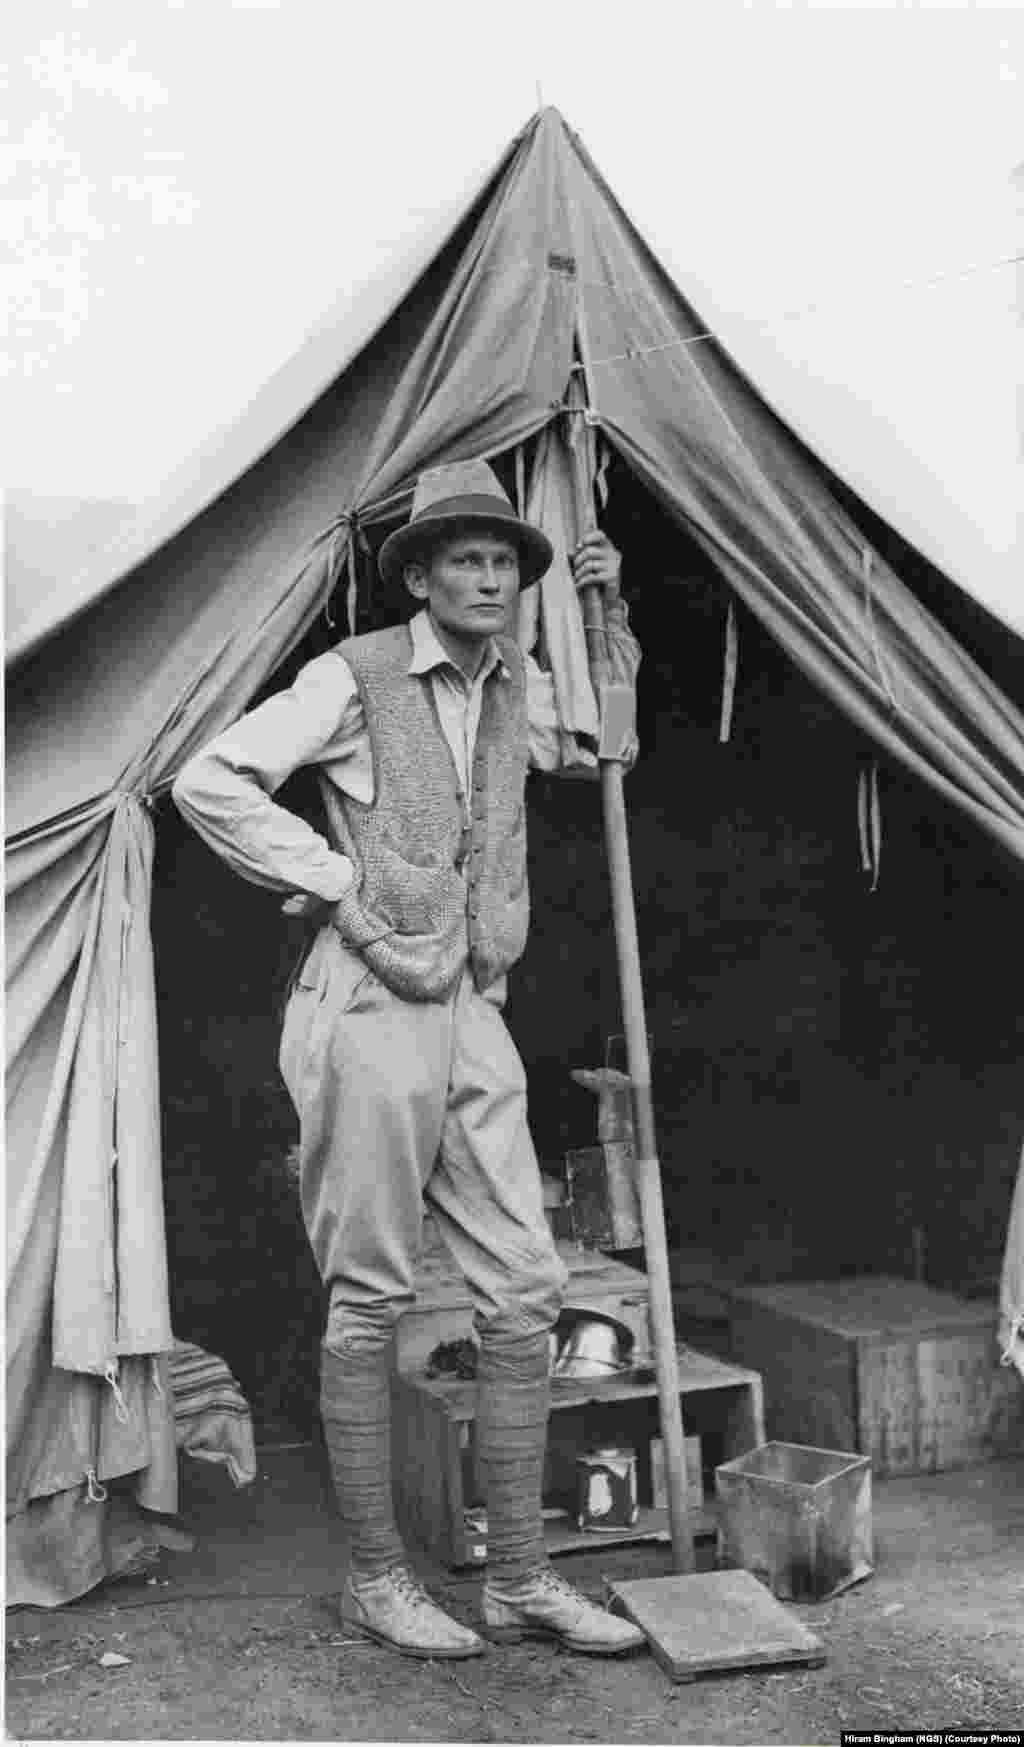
(836, 1068)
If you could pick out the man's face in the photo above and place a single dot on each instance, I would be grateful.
(469, 584)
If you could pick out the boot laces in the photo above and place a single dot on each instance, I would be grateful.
(405, 1584)
(548, 1582)
(408, 1587)
(555, 1585)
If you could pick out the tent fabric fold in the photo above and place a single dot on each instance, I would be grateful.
(167, 647)
(550, 621)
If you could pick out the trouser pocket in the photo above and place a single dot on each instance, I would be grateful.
(326, 987)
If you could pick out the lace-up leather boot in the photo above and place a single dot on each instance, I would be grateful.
(395, 1609)
(543, 1605)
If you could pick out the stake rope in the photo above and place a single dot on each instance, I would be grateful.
(811, 309)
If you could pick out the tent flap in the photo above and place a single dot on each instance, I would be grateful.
(472, 361)
(701, 440)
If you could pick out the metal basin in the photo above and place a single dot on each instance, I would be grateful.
(594, 1348)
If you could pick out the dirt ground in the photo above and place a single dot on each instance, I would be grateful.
(239, 1640)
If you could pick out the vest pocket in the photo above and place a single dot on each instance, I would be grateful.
(357, 926)
(418, 897)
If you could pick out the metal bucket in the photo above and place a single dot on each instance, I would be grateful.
(798, 1518)
(595, 1346)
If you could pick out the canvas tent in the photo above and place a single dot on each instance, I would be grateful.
(46, 537)
(161, 641)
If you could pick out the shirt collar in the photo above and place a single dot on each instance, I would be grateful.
(428, 653)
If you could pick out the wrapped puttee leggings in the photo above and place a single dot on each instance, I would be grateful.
(405, 1103)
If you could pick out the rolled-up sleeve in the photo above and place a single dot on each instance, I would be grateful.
(226, 791)
(623, 648)
(623, 661)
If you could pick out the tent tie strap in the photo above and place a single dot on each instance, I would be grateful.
(731, 661)
(586, 413)
(604, 458)
(94, 1492)
(120, 1405)
(154, 1378)
(344, 526)
(1016, 1329)
(145, 798)
(520, 465)
(869, 822)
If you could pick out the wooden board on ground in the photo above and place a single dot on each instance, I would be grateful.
(707, 1622)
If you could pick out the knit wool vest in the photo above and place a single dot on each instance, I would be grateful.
(430, 887)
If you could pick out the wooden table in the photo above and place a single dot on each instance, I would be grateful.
(433, 1456)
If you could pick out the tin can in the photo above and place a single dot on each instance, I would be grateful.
(474, 1524)
(606, 1490)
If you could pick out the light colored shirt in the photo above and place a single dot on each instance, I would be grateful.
(226, 791)
(459, 701)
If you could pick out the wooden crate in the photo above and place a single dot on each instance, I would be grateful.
(890, 1368)
(433, 1459)
(443, 1310)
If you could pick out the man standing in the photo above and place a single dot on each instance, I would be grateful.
(406, 1082)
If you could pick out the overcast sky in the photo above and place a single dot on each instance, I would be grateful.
(194, 182)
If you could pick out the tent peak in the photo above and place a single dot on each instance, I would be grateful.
(551, 119)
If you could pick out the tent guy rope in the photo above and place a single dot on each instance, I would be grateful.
(807, 313)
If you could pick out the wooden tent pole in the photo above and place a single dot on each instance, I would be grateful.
(646, 1165)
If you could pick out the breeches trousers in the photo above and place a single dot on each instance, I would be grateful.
(402, 1103)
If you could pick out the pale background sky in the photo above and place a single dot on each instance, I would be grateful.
(190, 185)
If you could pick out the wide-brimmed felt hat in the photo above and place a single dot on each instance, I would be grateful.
(462, 497)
